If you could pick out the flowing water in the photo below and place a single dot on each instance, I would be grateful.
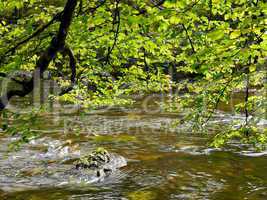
(163, 162)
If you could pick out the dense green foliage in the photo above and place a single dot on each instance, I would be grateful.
(130, 47)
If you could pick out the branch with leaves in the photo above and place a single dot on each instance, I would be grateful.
(116, 21)
(35, 34)
(57, 44)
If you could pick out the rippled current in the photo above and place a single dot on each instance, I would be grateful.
(163, 163)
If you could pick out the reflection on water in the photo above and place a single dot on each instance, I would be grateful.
(161, 163)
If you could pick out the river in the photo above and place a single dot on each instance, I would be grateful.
(163, 162)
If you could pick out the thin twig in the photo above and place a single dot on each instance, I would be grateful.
(93, 9)
(246, 103)
(217, 101)
(188, 37)
(116, 20)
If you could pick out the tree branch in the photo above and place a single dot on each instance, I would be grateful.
(72, 64)
(56, 45)
(116, 20)
(93, 9)
(218, 99)
(158, 4)
(188, 37)
(36, 33)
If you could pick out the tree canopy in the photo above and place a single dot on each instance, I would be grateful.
(103, 50)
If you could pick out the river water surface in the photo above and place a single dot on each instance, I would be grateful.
(163, 163)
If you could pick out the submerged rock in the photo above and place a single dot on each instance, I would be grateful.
(94, 160)
(94, 167)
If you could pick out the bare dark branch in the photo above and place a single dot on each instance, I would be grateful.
(189, 38)
(72, 62)
(116, 20)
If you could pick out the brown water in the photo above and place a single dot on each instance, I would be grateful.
(163, 162)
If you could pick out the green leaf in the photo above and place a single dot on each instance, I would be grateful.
(175, 20)
(216, 35)
(235, 34)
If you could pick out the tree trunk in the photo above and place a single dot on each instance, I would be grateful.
(57, 44)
